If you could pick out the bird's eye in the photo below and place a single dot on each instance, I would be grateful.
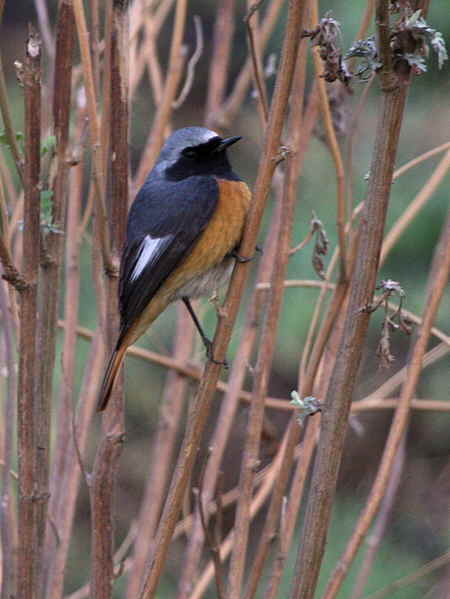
(189, 153)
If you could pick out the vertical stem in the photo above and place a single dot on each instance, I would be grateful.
(339, 396)
(162, 453)
(52, 261)
(437, 283)
(220, 58)
(164, 111)
(110, 449)
(8, 530)
(29, 527)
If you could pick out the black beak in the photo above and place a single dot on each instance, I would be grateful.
(225, 143)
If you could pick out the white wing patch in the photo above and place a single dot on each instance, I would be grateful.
(148, 247)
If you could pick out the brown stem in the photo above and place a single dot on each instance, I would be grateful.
(296, 131)
(437, 282)
(56, 554)
(8, 530)
(28, 559)
(230, 403)
(163, 451)
(376, 538)
(109, 451)
(220, 58)
(165, 106)
(102, 491)
(255, 55)
(233, 103)
(98, 174)
(8, 124)
(200, 411)
(337, 405)
(51, 266)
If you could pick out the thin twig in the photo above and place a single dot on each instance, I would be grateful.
(227, 112)
(192, 63)
(416, 205)
(387, 591)
(220, 58)
(165, 106)
(255, 55)
(94, 130)
(334, 149)
(8, 124)
(374, 541)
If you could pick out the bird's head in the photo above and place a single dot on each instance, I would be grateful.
(194, 151)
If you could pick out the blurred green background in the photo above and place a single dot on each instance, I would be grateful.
(419, 528)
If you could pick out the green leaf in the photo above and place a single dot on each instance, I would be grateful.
(4, 141)
(46, 206)
(48, 145)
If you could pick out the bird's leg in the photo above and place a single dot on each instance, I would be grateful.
(206, 342)
(234, 254)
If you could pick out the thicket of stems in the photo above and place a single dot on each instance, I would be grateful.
(84, 175)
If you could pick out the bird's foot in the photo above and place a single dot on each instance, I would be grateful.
(209, 354)
(243, 259)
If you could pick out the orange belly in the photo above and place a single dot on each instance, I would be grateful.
(221, 236)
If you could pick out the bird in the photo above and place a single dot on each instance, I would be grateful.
(183, 233)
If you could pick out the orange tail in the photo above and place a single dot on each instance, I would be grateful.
(112, 370)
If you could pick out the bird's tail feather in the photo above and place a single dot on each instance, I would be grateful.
(112, 370)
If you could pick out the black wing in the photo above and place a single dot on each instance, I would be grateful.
(165, 220)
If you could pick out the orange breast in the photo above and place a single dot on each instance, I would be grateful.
(222, 234)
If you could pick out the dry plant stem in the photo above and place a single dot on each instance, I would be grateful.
(387, 591)
(163, 452)
(108, 454)
(191, 64)
(8, 529)
(94, 131)
(28, 565)
(262, 370)
(416, 205)
(295, 497)
(307, 386)
(44, 27)
(102, 491)
(226, 546)
(71, 475)
(334, 148)
(228, 407)
(220, 58)
(436, 286)
(64, 444)
(10, 272)
(165, 107)
(337, 405)
(54, 241)
(194, 372)
(376, 538)
(200, 411)
(233, 103)
(255, 55)
(421, 158)
(8, 124)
